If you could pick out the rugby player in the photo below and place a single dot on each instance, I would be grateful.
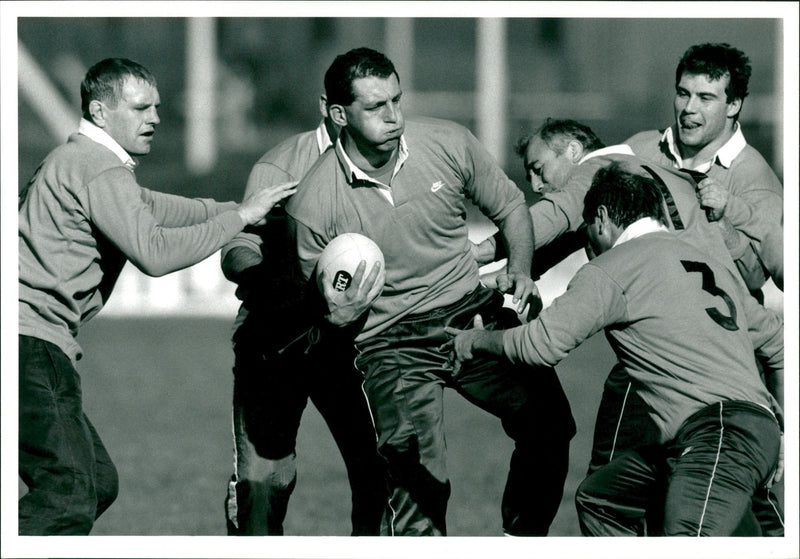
(736, 185)
(622, 421)
(405, 185)
(279, 366)
(685, 328)
(81, 217)
(548, 155)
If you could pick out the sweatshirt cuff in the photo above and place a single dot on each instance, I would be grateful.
(231, 221)
(227, 206)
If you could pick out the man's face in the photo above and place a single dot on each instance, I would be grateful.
(133, 121)
(545, 170)
(701, 112)
(375, 119)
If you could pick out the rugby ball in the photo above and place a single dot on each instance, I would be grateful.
(341, 257)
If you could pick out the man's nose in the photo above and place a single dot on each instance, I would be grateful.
(392, 112)
(691, 104)
(152, 117)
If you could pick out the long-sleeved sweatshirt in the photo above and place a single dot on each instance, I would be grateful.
(680, 322)
(81, 216)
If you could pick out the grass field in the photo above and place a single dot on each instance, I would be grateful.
(159, 390)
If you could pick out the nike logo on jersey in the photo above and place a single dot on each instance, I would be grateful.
(437, 185)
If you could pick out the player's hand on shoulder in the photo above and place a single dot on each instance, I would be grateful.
(522, 287)
(258, 204)
(344, 307)
(713, 197)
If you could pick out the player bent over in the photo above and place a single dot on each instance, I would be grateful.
(684, 328)
(563, 159)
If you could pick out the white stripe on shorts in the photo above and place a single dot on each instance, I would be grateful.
(619, 422)
(713, 472)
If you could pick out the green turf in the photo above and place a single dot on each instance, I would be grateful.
(158, 391)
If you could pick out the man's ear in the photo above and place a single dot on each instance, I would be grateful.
(97, 113)
(338, 115)
(733, 108)
(574, 151)
(602, 219)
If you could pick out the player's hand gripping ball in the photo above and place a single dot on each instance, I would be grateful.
(341, 257)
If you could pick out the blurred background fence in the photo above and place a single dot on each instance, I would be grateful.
(233, 87)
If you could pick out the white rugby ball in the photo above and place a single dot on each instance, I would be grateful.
(341, 257)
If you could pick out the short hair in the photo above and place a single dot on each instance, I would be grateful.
(557, 133)
(627, 196)
(348, 67)
(717, 60)
(104, 81)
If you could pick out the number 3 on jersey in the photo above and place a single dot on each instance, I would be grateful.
(710, 285)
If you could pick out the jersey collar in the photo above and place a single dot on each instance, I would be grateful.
(97, 134)
(619, 149)
(640, 227)
(724, 156)
(355, 174)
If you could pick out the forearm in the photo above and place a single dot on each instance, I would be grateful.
(176, 211)
(591, 302)
(753, 214)
(743, 254)
(238, 261)
(120, 213)
(517, 231)
(548, 221)
(248, 242)
(485, 252)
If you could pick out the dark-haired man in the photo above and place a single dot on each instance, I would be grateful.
(405, 184)
(684, 327)
(622, 421)
(277, 370)
(736, 186)
(81, 217)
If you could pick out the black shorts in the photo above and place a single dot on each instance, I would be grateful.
(278, 367)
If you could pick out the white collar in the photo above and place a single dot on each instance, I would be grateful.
(323, 139)
(97, 134)
(638, 228)
(724, 156)
(357, 174)
(619, 149)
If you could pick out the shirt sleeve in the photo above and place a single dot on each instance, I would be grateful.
(559, 212)
(486, 184)
(592, 301)
(309, 246)
(772, 253)
(116, 205)
(178, 211)
(755, 200)
(765, 328)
